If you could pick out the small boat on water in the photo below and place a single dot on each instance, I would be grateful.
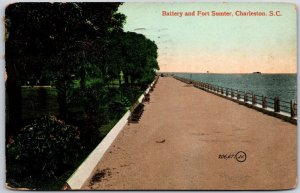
(256, 73)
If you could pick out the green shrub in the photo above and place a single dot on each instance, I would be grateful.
(46, 148)
(116, 110)
(91, 106)
(130, 93)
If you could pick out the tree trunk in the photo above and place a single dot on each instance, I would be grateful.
(132, 80)
(14, 94)
(120, 81)
(126, 78)
(62, 99)
(14, 106)
(82, 80)
(82, 74)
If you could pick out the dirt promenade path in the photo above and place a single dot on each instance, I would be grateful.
(182, 132)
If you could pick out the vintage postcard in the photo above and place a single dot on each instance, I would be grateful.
(151, 96)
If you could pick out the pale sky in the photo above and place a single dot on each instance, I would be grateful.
(218, 44)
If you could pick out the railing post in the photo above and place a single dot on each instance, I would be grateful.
(245, 97)
(237, 95)
(276, 104)
(264, 102)
(222, 91)
(293, 109)
(253, 99)
(226, 91)
(232, 94)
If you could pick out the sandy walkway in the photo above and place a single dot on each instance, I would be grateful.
(197, 127)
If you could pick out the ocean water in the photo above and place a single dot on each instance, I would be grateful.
(283, 86)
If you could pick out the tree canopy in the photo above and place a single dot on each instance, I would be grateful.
(95, 69)
(60, 43)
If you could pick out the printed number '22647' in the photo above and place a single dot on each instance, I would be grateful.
(240, 156)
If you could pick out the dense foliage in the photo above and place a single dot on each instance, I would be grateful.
(55, 43)
(45, 148)
(60, 43)
(96, 68)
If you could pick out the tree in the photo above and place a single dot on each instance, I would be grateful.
(56, 42)
(140, 56)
